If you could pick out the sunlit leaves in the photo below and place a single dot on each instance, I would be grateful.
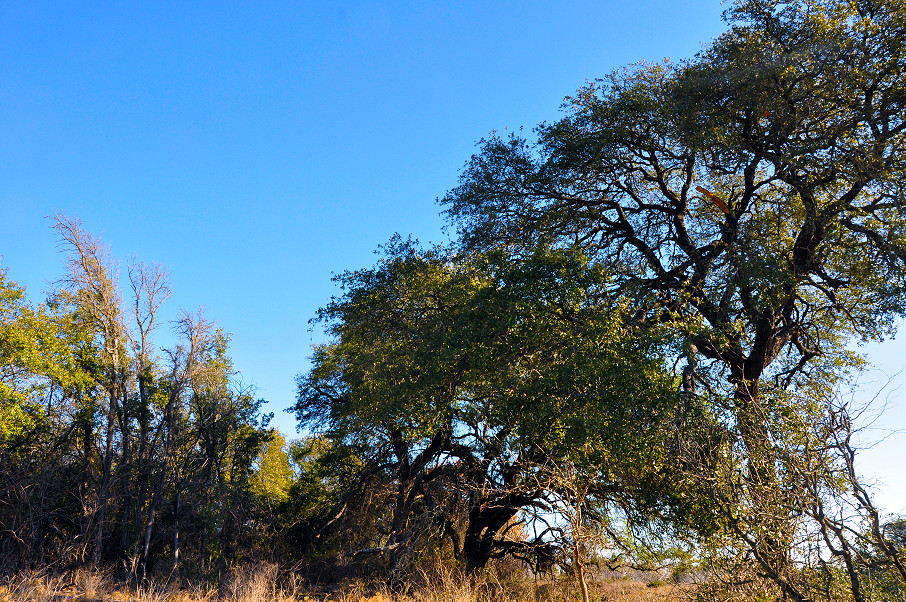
(40, 348)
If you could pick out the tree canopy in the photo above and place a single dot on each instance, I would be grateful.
(755, 192)
(475, 372)
(669, 279)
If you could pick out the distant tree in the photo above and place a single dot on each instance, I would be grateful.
(150, 287)
(273, 474)
(45, 379)
(90, 287)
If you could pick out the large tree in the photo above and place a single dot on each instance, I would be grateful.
(462, 377)
(751, 199)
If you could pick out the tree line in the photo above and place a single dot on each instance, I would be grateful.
(111, 450)
(631, 352)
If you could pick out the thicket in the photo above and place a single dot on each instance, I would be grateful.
(115, 452)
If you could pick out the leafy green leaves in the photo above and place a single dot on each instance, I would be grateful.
(39, 349)
(428, 339)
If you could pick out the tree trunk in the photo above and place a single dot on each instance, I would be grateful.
(146, 545)
(484, 524)
(580, 574)
(104, 486)
(177, 507)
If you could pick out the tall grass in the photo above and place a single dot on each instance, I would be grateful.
(267, 583)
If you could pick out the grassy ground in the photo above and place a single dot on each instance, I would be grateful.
(265, 583)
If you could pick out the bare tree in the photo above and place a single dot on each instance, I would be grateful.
(189, 372)
(91, 285)
(571, 491)
(150, 288)
(837, 547)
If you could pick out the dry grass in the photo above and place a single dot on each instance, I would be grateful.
(265, 583)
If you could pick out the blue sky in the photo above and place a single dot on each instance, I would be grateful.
(257, 148)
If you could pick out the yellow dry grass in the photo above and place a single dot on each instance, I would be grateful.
(263, 583)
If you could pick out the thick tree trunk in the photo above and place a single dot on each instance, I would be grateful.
(771, 545)
(412, 475)
(485, 522)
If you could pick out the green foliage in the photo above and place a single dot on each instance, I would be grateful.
(273, 475)
(470, 373)
(39, 349)
(792, 119)
(427, 338)
(748, 204)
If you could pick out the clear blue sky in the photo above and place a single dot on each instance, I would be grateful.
(257, 148)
